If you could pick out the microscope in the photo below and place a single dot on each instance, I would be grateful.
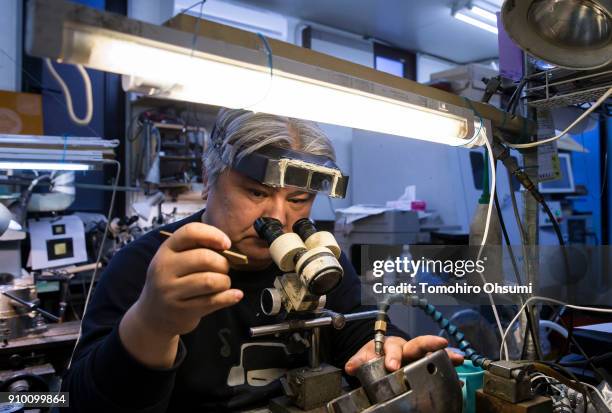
(308, 259)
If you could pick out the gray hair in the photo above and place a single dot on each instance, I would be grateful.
(238, 133)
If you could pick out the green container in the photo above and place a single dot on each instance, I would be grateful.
(472, 377)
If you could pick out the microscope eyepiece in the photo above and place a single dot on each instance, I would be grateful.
(268, 229)
(304, 228)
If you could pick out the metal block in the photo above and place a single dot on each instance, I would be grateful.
(508, 389)
(508, 369)
(313, 388)
(431, 385)
(486, 403)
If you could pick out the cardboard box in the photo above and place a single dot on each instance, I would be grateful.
(20, 113)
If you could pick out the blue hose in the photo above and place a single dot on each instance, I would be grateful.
(444, 323)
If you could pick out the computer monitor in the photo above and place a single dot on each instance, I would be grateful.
(565, 184)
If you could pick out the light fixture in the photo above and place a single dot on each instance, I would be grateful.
(574, 34)
(44, 166)
(485, 14)
(478, 13)
(169, 63)
(475, 22)
(54, 153)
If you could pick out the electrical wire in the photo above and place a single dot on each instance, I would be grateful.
(548, 300)
(523, 236)
(39, 85)
(514, 99)
(548, 381)
(530, 323)
(69, 105)
(517, 215)
(558, 404)
(596, 390)
(580, 118)
(197, 3)
(100, 251)
(484, 240)
(557, 371)
(553, 221)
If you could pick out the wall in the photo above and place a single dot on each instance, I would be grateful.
(57, 122)
(151, 11)
(343, 47)
(10, 44)
(426, 65)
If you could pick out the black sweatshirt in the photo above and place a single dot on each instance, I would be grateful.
(218, 366)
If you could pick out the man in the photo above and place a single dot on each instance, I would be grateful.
(167, 328)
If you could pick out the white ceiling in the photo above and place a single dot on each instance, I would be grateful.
(418, 25)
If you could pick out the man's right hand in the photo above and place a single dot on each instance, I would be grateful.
(186, 280)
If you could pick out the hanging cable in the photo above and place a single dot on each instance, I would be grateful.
(100, 251)
(517, 215)
(549, 300)
(530, 319)
(503, 154)
(69, 105)
(484, 239)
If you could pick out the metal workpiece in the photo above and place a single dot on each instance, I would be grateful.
(387, 387)
(430, 385)
(297, 325)
(509, 369)
(508, 389)
(509, 381)
(353, 402)
(371, 371)
(308, 389)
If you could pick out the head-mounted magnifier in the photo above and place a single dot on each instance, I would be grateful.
(281, 167)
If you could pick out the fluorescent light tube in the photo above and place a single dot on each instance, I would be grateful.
(45, 166)
(485, 14)
(169, 63)
(199, 79)
(474, 22)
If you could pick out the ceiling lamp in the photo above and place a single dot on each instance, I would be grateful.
(575, 34)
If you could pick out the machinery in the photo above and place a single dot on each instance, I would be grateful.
(314, 258)
(429, 384)
(309, 260)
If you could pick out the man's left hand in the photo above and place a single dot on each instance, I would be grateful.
(399, 351)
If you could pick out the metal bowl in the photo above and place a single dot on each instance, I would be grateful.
(575, 34)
